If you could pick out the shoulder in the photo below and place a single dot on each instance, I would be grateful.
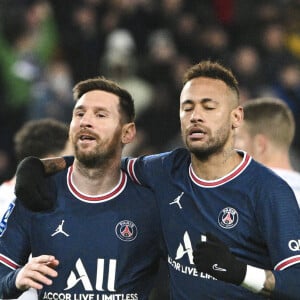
(290, 176)
(162, 162)
(176, 156)
(135, 188)
(263, 175)
(154, 168)
(269, 186)
(260, 180)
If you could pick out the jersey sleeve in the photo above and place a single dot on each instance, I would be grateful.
(287, 283)
(8, 289)
(143, 170)
(279, 218)
(14, 247)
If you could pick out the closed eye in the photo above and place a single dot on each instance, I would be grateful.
(101, 115)
(79, 113)
(187, 107)
(210, 107)
(208, 103)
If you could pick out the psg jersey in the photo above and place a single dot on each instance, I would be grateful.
(107, 245)
(251, 209)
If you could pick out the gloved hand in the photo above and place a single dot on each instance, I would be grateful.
(36, 191)
(213, 257)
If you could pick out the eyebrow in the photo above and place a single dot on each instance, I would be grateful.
(94, 108)
(203, 100)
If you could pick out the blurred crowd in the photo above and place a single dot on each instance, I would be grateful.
(46, 46)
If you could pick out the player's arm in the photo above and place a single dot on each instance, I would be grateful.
(214, 257)
(35, 274)
(56, 164)
(34, 186)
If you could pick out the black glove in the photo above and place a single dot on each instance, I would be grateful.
(213, 257)
(36, 191)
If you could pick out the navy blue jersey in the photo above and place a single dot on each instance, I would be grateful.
(107, 245)
(251, 209)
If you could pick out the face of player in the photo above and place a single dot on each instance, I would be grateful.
(208, 115)
(95, 129)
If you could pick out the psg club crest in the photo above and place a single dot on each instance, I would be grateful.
(228, 218)
(126, 231)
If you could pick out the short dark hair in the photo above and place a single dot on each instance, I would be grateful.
(103, 84)
(212, 70)
(40, 138)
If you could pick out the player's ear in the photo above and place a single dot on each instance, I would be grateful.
(237, 116)
(128, 133)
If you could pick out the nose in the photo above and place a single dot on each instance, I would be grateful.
(86, 121)
(197, 115)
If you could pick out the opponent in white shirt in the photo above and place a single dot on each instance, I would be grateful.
(41, 138)
(267, 134)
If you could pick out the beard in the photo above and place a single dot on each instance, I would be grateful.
(214, 145)
(96, 158)
(101, 155)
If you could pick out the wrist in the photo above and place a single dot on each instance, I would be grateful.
(254, 279)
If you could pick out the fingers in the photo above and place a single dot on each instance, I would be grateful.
(46, 260)
(37, 272)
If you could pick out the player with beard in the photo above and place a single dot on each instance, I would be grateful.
(102, 222)
(231, 225)
(229, 218)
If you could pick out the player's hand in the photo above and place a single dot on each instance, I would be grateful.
(36, 191)
(37, 272)
(213, 257)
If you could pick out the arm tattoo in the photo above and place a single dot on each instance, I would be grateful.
(53, 165)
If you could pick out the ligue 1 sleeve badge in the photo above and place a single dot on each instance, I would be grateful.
(228, 218)
(126, 231)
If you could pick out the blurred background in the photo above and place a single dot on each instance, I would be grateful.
(46, 46)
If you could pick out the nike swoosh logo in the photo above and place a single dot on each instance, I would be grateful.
(216, 268)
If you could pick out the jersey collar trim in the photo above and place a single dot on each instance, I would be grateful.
(214, 183)
(98, 198)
